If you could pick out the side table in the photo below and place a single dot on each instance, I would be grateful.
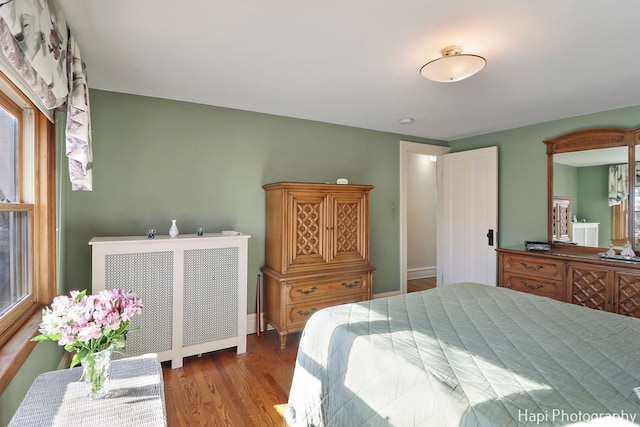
(135, 398)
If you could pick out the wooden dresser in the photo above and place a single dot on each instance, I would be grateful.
(573, 275)
(316, 251)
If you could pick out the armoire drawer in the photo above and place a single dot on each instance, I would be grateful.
(298, 314)
(535, 285)
(536, 266)
(335, 287)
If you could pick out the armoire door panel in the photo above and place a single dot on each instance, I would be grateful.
(348, 229)
(307, 230)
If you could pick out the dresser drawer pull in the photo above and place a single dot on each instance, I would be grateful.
(532, 267)
(351, 285)
(306, 313)
(307, 291)
(526, 285)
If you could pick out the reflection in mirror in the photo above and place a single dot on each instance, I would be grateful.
(590, 197)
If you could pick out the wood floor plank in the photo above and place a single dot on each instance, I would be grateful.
(417, 285)
(223, 388)
(211, 401)
(255, 398)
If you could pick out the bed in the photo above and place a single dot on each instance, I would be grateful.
(466, 355)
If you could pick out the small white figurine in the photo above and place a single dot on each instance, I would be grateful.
(611, 252)
(627, 252)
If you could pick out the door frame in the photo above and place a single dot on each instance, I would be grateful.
(406, 148)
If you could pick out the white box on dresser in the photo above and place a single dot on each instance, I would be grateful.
(585, 233)
(194, 290)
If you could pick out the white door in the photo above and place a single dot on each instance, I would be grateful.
(468, 217)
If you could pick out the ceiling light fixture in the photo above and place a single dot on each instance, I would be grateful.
(453, 66)
(406, 120)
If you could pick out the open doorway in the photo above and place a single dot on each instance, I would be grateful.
(418, 212)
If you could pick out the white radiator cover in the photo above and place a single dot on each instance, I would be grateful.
(194, 291)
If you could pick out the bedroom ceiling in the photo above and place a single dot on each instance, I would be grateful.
(357, 62)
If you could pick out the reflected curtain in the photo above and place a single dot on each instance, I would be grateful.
(618, 184)
(35, 39)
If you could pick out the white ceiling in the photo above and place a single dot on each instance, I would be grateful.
(357, 62)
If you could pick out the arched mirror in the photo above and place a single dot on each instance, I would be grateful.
(593, 188)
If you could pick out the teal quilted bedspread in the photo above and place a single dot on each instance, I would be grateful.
(466, 355)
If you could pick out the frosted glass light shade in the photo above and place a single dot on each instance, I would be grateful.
(453, 66)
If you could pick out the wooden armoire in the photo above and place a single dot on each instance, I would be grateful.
(561, 219)
(316, 251)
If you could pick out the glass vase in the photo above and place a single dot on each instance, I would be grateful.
(96, 370)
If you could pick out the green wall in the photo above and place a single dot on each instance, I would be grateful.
(565, 181)
(522, 160)
(156, 160)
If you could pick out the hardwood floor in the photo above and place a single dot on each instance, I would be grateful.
(417, 285)
(223, 388)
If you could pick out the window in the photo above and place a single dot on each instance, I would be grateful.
(620, 215)
(27, 223)
(16, 209)
(619, 223)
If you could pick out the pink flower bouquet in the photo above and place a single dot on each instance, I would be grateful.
(89, 324)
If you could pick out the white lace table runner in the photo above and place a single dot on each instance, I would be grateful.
(136, 398)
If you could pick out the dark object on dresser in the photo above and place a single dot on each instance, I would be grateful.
(537, 246)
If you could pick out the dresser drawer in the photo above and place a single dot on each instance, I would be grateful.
(532, 265)
(298, 314)
(334, 287)
(535, 285)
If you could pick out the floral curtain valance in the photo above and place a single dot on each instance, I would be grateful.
(78, 135)
(35, 39)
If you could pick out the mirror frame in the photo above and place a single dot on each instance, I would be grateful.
(590, 139)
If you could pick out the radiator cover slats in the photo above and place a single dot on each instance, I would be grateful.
(194, 291)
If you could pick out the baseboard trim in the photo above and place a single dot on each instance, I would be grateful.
(421, 273)
(251, 323)
(386, 294)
